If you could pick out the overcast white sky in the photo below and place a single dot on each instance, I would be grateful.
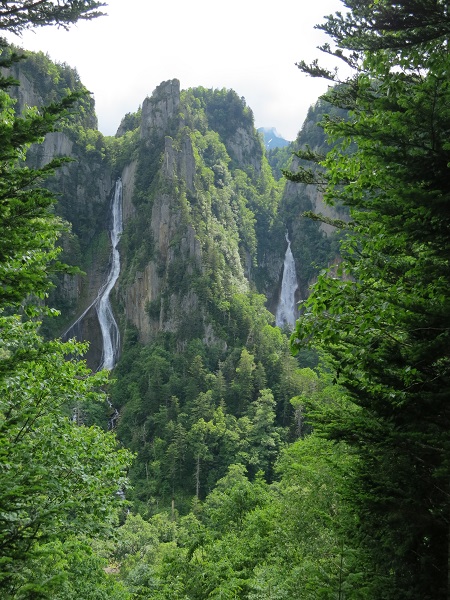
(250, 46)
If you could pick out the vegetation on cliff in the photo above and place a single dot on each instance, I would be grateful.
(257, 474)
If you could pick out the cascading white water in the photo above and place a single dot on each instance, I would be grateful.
(287, 309)
(108, 325)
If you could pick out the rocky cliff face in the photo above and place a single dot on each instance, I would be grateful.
(159, 294)
(312, 242)
(160, 110)
(201, 209)
(82, 186)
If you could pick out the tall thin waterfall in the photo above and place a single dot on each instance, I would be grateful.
(287, 310)
(102, 305)
(108, 325)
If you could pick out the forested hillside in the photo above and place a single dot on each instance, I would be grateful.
(59, 483)
(218, 455)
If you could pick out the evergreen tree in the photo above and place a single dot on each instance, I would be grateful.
(383, 315)
(29, 227)
(16, 16)
(56, 478)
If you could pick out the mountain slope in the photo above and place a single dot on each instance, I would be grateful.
(204, 375)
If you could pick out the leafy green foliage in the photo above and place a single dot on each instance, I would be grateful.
(225, 111)
(249, 539)
(70, 569)
(191, 414)
(382, 314)
(56, 479)
(279, 159)
(28, 14)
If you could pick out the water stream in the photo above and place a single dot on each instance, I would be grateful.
(286, 313)
(101, 303)
(108, 325)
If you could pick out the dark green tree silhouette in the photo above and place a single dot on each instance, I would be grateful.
(382, 315)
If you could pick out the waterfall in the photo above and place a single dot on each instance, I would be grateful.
(102, 304)
(287, 310)
(114, 415)
(107, 322)
(108, 325)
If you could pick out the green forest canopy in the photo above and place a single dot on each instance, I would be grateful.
(58, 481)
(350, 497)
(382, 316)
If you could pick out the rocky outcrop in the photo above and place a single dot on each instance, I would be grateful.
(179, 164)
(246, 149)
(310, 198)
(55, 144)
(128, 183)
(149, 284)
(161, 294)
(25, 93)
(137, 295)
(160, 109)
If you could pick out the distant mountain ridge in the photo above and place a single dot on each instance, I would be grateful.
(272, 139)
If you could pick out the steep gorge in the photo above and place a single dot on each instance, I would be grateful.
(201, 253)
(197, 190)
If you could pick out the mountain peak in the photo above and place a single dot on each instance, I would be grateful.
(272, 139)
